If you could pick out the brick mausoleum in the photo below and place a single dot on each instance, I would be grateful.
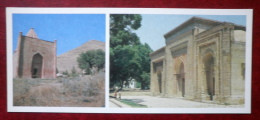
(203, 60)
(34, 58)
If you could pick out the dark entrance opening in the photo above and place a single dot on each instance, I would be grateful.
(181, 79)
(36, 69)
(159, 76)
(210, 79)
(183, 87)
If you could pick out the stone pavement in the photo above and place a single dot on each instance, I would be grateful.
(113, 105)
(159, 102)
(116, 104)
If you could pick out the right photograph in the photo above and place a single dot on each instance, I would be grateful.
(177, 61)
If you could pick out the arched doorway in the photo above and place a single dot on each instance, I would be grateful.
(210, 78)
(36, 69)
(181, 79)
(159, 77)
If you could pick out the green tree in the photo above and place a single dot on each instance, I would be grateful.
(65, 72)
(90, 59)
(73, 72)
(121, 27)
(129, 59)
(144, 75)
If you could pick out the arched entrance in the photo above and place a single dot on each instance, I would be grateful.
(159, 77)
(36, 69)
(181, 79)
(210, 78)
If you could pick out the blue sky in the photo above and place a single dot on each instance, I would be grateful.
(155, 26)
(70, 30)
(73, 30)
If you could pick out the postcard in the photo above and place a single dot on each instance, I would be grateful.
(129, 60)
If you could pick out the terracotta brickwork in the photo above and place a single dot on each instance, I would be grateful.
(203, 60)
(34, 58)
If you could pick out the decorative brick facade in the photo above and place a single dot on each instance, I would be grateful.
(203, 60)
(34, 58)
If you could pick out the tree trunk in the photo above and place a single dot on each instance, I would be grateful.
(142, 86)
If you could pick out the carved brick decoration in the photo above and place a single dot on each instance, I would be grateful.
(34, 58)
(202, 61)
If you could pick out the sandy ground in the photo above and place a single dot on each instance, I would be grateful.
(113, 105)
(144, 98)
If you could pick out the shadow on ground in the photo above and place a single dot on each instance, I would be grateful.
(134, 100)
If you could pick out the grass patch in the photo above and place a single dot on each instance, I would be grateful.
(133, 104)
(227, 104)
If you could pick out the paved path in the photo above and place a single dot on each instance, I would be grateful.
(113, 105)
(159, 102)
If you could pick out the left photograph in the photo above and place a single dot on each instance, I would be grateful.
(58, 60)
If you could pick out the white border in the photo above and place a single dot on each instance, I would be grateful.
(108, 11)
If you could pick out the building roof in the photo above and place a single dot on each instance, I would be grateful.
(200, 20)
(162, 49)
(32, 33)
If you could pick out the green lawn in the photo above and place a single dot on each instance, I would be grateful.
(133, 104)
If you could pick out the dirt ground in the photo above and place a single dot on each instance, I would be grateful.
(144, 97)
(160, 102)
(87, 91)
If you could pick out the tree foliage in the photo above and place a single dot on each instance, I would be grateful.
(73, 72)
(91, 59)
(121, 27)
(129, 59)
